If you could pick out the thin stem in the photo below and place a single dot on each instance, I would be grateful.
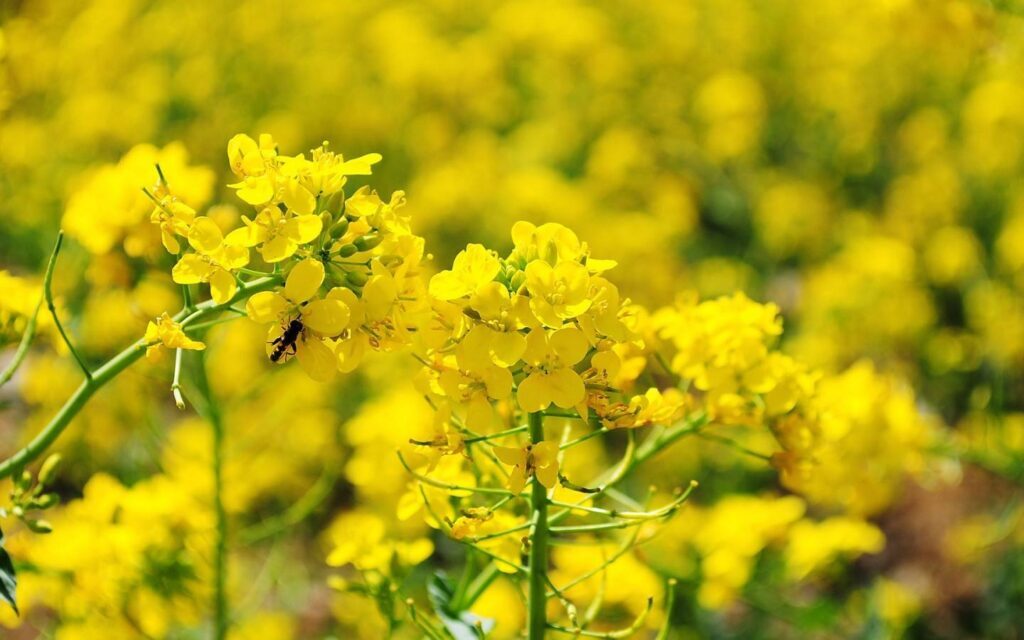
(108, 372)
(537, 594)
(179, 401)
(295, 514)
(213, 415)
(670, 600)
(451, 487)
(23, 346)
(494, 436)
(48, 295)
(478, 586)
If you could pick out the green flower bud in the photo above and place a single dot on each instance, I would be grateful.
(39, 526)
(357, 278)
(347, 250)
(368, 242)
(339, 228)
(45, 501)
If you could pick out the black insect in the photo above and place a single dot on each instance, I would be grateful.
(285, 343)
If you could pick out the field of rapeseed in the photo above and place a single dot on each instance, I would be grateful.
(671, 319)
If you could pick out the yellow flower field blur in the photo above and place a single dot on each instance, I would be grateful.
(673, 319)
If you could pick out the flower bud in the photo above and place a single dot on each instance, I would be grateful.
(357, 278)
(518, 280)
(39, 526)
(45, 501)
(326, 219)
(339, 228)
(368, 242)
(49, 469)
(347, 250)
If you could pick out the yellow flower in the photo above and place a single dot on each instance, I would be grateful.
(168, 333)
(550, 357)
(279, 234)
(558, 293)
(534, 460)
(473, 267)
(317, 320)
(174, 218)
(213, 261)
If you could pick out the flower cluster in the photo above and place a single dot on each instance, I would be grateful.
(350, 264)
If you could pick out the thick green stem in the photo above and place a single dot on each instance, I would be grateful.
(537, 596)
(213, 415)
(109, 371)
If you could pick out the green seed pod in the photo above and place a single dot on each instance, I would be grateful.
(49, 469)
(368, 242)
(357, 278)
(339, 228)
(347, 250)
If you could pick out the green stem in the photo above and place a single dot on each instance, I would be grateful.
(48, 294)
(213, 415)
(109, 371)
(23, 346)
(537, 596)
(478, 586)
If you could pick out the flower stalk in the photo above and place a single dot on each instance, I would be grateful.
(538, 561)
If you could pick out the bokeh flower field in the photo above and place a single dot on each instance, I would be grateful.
(672, 319)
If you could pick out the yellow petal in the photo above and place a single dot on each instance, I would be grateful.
(360, 166)
(545, 453)
(278, 248)
(304, 281)
(205, 235)
(349, 353)
(191, 269)
(222, 285)
(256, 191)
(298, 198)
(517, 480)
(326, 317)
(565, 388)
(316, 359)
(514, 456)
(303, 229)
(533, 393)
(170, 242)
(507, 347)
(480, 415)
(548, 475)
(447, 285)
(265, 306)
(570, 344)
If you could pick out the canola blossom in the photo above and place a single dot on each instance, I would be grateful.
(649, 320)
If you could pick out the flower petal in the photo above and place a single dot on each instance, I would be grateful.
(191, 269)
(205, 236)
(570, 344)
(565, 387)
(265, 306)
(326, 317)
(316, 359)
(304, 281)
(222, 285)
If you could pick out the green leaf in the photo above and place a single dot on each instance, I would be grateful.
(463, 625)
(8, 579)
